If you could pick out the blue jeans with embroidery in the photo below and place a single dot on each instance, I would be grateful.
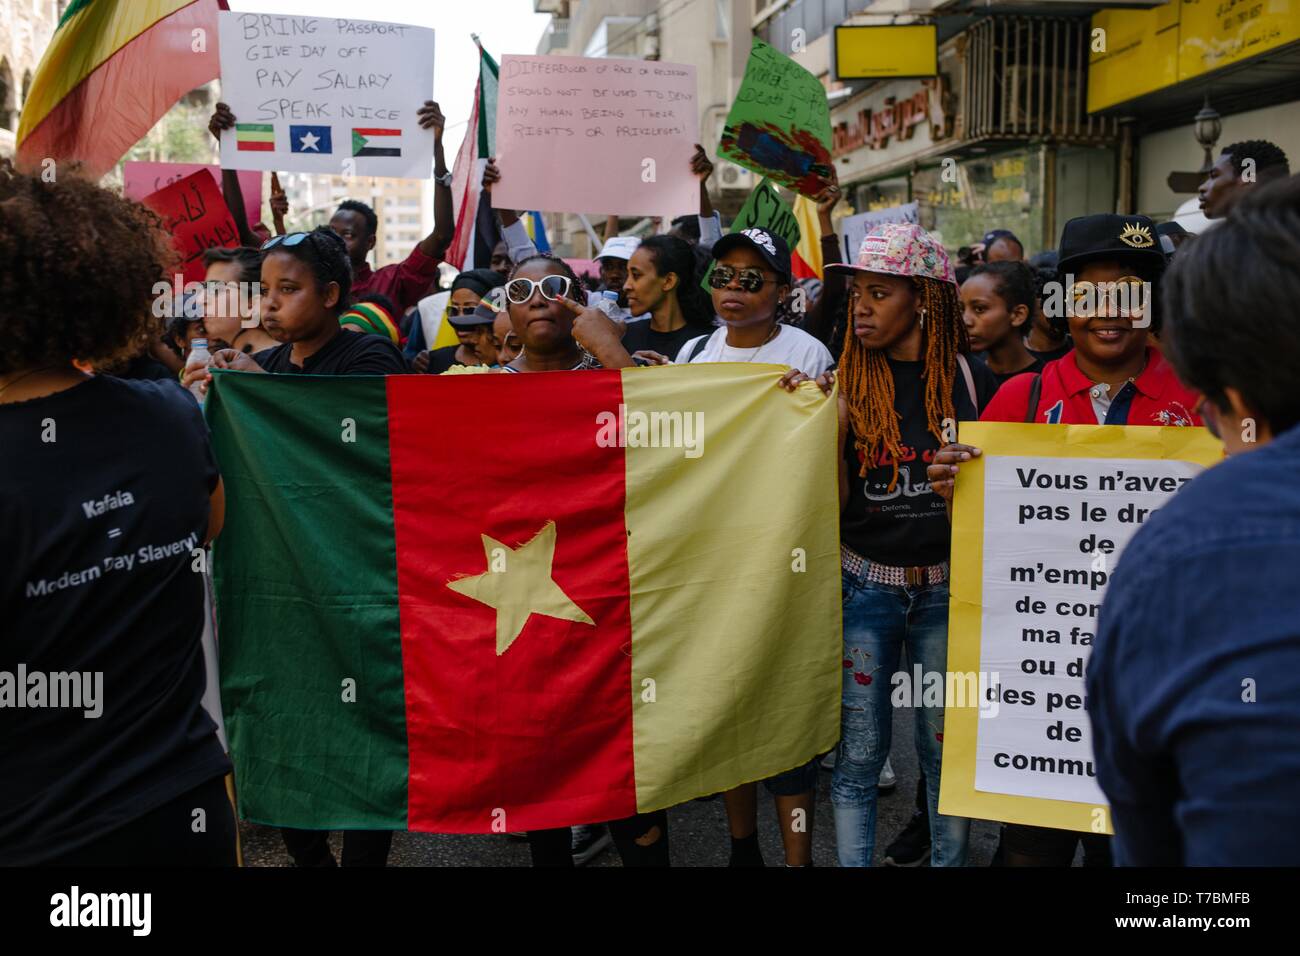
(878, 620)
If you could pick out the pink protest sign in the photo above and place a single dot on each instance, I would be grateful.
(197, 218)
(606, 136)
(141, 179)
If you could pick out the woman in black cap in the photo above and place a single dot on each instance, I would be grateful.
(467, 291)
(1108, 269)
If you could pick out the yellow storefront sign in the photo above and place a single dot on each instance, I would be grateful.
(886, 52)
(1147, 50)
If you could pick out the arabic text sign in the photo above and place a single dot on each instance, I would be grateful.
(197, 218)
(596, 135)
(1039, 522)
(141, 179)
(326, 95)
(780, 123)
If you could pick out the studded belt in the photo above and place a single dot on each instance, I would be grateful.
(865, 569)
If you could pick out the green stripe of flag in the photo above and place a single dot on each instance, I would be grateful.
(308, 485)
(75, 7)
(487, 105)
(255, 132)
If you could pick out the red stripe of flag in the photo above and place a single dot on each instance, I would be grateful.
(263, 147)
(377, 132)
(542, 732)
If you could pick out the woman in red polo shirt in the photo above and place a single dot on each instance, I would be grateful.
(1105, 284)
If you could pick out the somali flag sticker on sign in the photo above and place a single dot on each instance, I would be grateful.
(310, 139)
(376, 142)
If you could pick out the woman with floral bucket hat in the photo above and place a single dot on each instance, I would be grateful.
(905, 381)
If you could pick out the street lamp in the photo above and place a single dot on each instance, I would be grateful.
(1206, 127)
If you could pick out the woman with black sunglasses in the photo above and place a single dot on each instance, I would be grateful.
(750, 280)
(467, 291)
(306, 281)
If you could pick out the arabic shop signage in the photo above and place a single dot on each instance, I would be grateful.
(894, 118)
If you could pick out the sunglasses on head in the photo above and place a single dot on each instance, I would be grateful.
(292, 239)
(751, 280)
(553, 287)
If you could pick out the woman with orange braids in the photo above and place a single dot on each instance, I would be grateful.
(905, 380)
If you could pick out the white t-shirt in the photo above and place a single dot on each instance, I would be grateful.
(792, 347)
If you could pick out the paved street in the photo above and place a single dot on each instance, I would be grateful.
(698, 830)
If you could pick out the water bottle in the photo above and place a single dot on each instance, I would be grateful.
(608, 303)
(200, 357)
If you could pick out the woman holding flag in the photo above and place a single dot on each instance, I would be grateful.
(905, 380)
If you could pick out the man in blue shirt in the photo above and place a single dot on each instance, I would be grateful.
(1194, 682)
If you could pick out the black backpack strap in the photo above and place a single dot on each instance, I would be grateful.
(1031, 410)
(700, 344)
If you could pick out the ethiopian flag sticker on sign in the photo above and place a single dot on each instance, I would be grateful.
(255, 136)
(375, 142)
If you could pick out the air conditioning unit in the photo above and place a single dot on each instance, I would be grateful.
(733, 178)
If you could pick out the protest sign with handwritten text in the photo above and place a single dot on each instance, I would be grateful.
(596, 135)
(193, 211)
(326, 95)
(141, 179)
(780, 123)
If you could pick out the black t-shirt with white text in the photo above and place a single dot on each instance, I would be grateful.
(908, 525)
(104, 501)
(348, 353)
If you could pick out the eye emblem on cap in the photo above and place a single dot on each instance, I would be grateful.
(1139, 237)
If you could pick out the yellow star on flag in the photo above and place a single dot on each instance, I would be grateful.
(522, 587)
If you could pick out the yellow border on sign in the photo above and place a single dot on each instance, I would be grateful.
(957, 794)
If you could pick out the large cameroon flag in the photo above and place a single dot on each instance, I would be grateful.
(479, 602)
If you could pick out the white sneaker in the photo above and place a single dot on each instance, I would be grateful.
(887, 779)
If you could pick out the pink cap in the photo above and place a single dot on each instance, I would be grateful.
(901, 249)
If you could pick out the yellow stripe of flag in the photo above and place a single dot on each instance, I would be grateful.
(734, 549)
(84, 41)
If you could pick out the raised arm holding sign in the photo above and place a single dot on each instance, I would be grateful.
(404, 282)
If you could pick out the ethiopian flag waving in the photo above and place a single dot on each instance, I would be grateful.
(112, 69)
(582, 595)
